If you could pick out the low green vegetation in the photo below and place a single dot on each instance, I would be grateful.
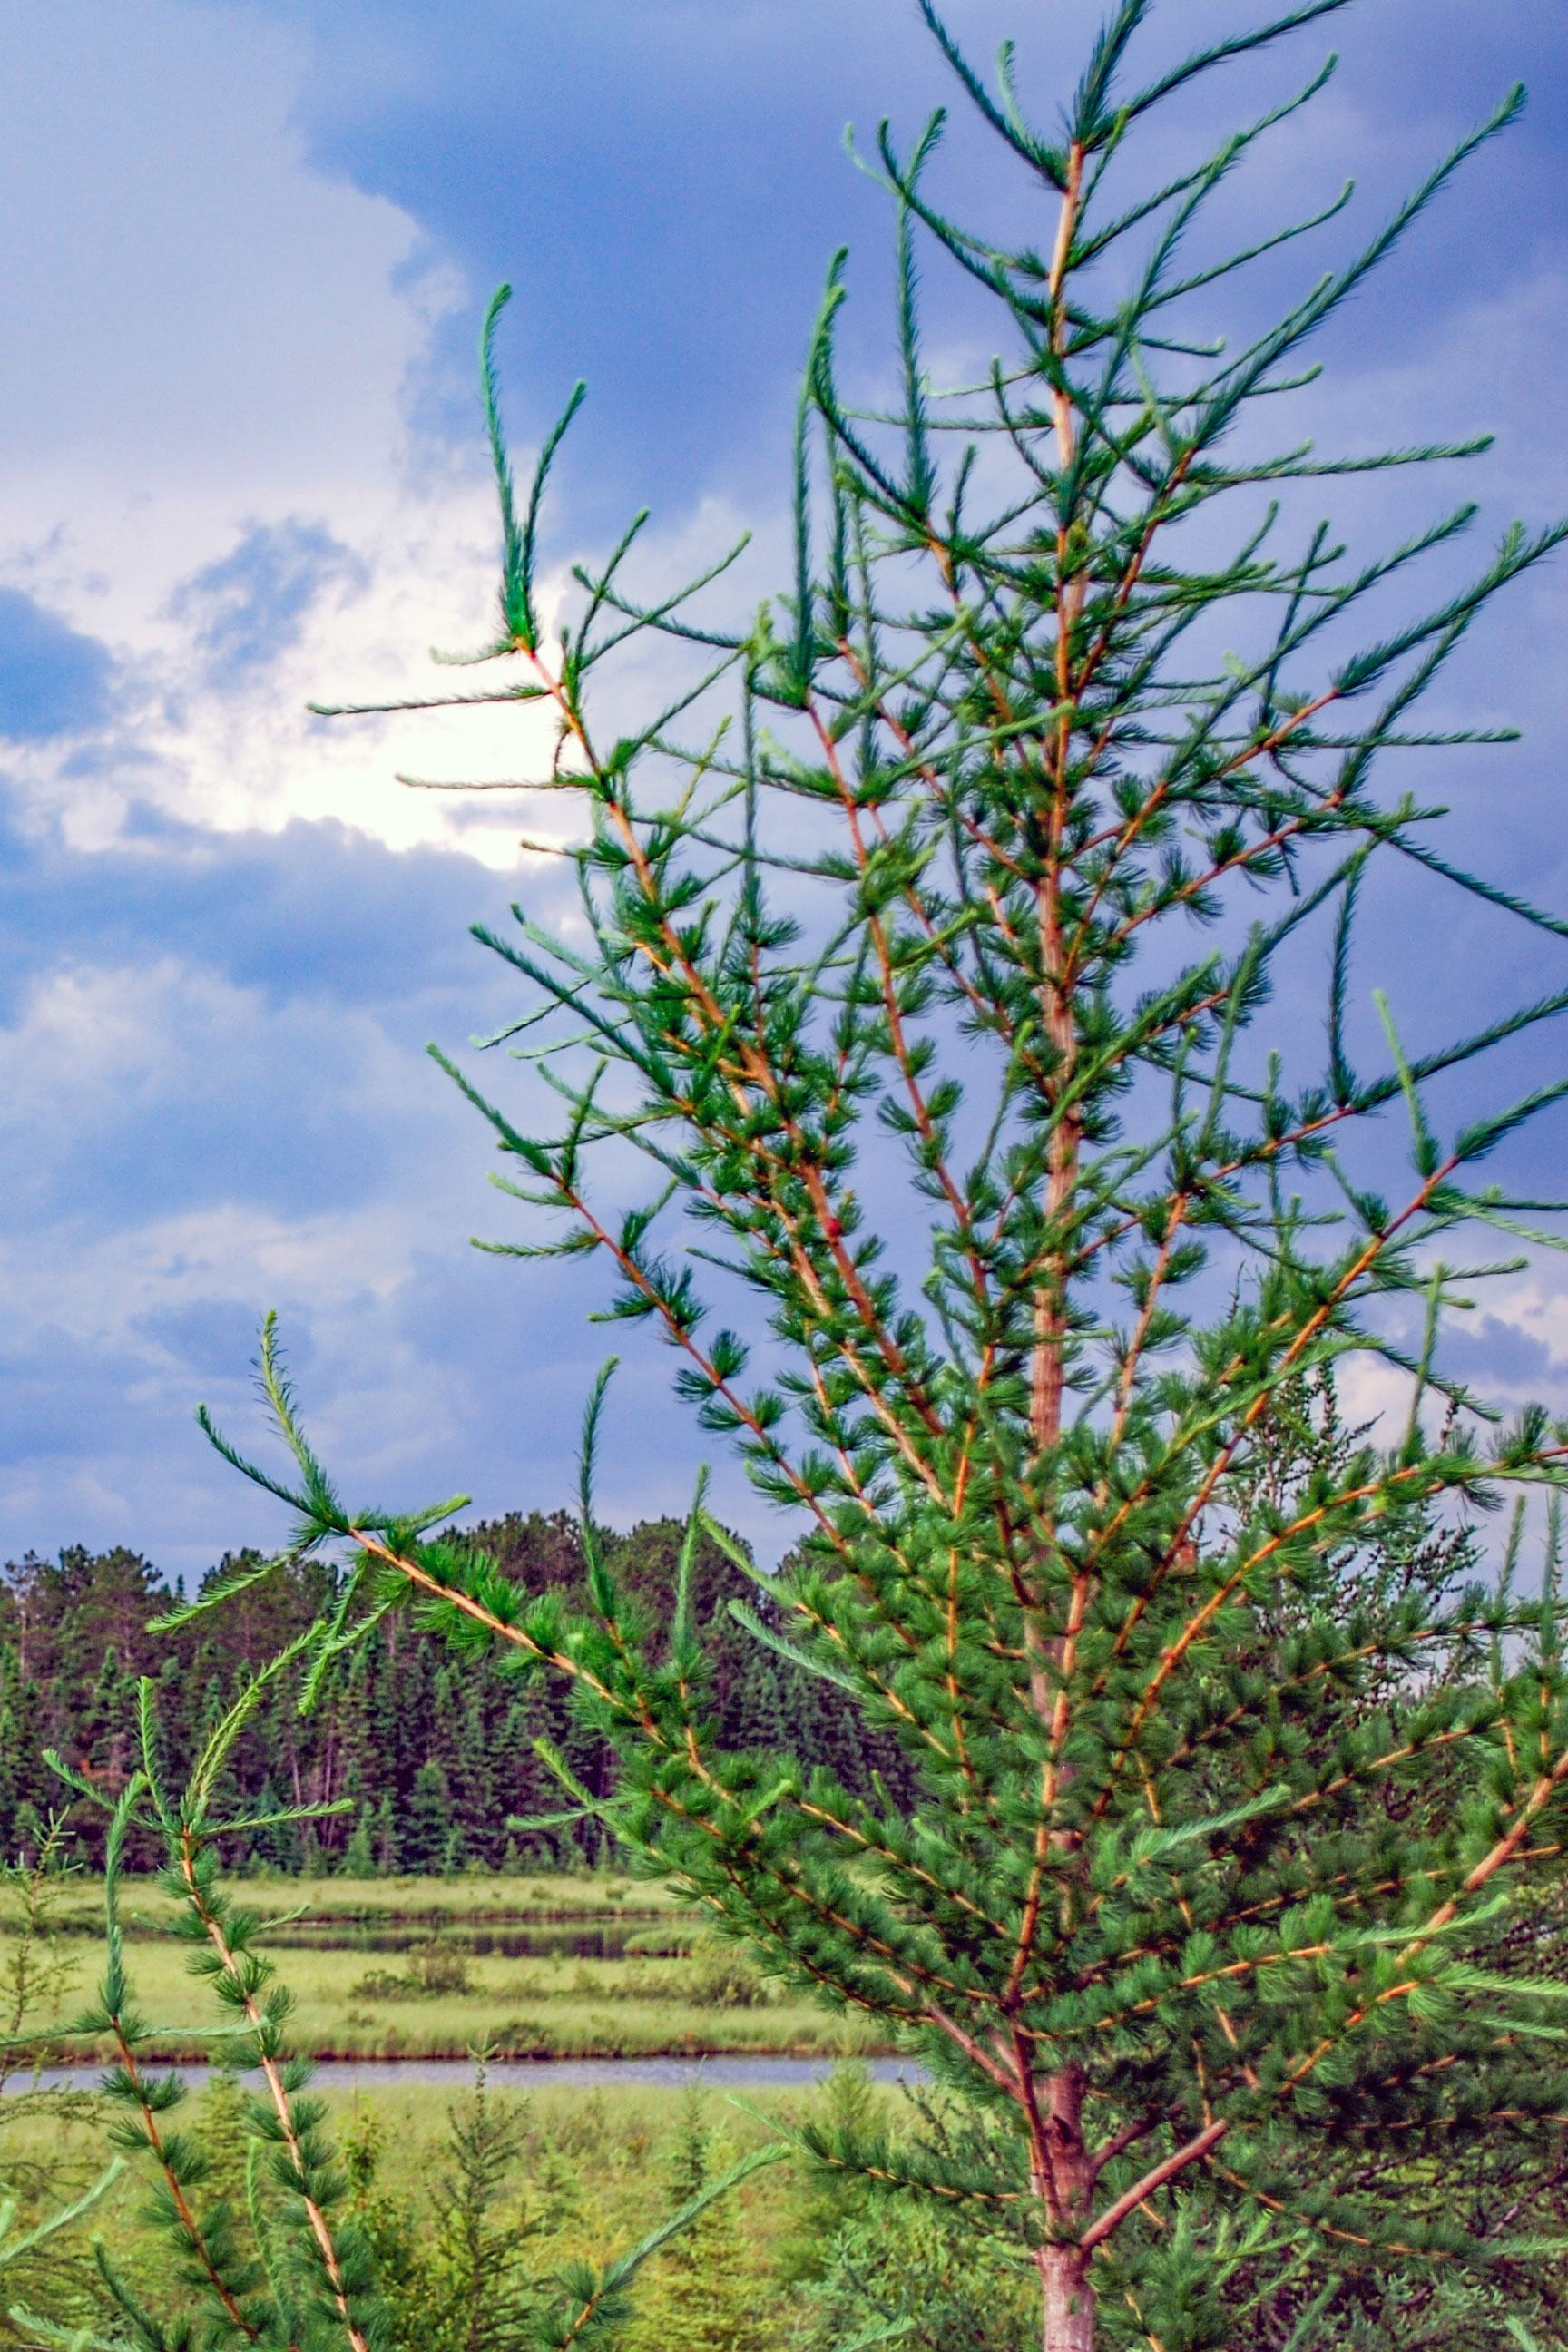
(561, 1966)
(472, 2207)
(508, 2188)
(302, 1910)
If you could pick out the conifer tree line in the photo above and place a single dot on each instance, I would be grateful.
(434, 1761)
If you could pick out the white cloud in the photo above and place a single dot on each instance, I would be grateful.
(204, 334)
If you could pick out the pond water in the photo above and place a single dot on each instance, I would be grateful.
(637, 1936)
(622, 1939)
(528, 2073)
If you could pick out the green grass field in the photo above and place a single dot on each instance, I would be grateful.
(593, 2176)
(415, 1902)
(435, 1968)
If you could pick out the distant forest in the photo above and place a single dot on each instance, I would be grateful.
(435, 1753)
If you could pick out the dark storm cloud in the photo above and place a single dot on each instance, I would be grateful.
(1491, 1352)
(63, 1400)
(215, 1100)
(215, 1339)
(665, 181)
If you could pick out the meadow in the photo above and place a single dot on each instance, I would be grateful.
(585, 2173)
(592, 2155)
(583, 1965)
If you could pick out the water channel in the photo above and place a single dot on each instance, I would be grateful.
(521, 2074)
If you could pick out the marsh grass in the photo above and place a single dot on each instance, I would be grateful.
(414, 1903)
(421, 1969)
(592, 2158)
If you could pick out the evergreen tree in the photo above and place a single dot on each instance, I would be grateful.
(759, 1716)
(846, 2107)
(276, 1844)
(46, 2267)
(173, 1724)
(921, 2279)
(359, 1856)
(1219, 1885)
(105, 1724)
(367, 1743)
(430, 1824)
(478, 2291)
(12, 1749)
(706, 2296)
(222, 2139)
(373, 1734)
(27, 1834)
(388, 1844)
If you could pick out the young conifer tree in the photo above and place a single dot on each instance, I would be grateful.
(295, 2267)
(928, 978)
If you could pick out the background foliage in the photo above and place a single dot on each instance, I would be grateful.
(435, 1756)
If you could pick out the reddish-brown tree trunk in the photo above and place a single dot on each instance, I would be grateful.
(1067, 2177)
(1069, 2300)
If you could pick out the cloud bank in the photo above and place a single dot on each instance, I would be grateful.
(241, 443)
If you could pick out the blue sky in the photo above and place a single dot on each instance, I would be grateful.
(238, 427)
